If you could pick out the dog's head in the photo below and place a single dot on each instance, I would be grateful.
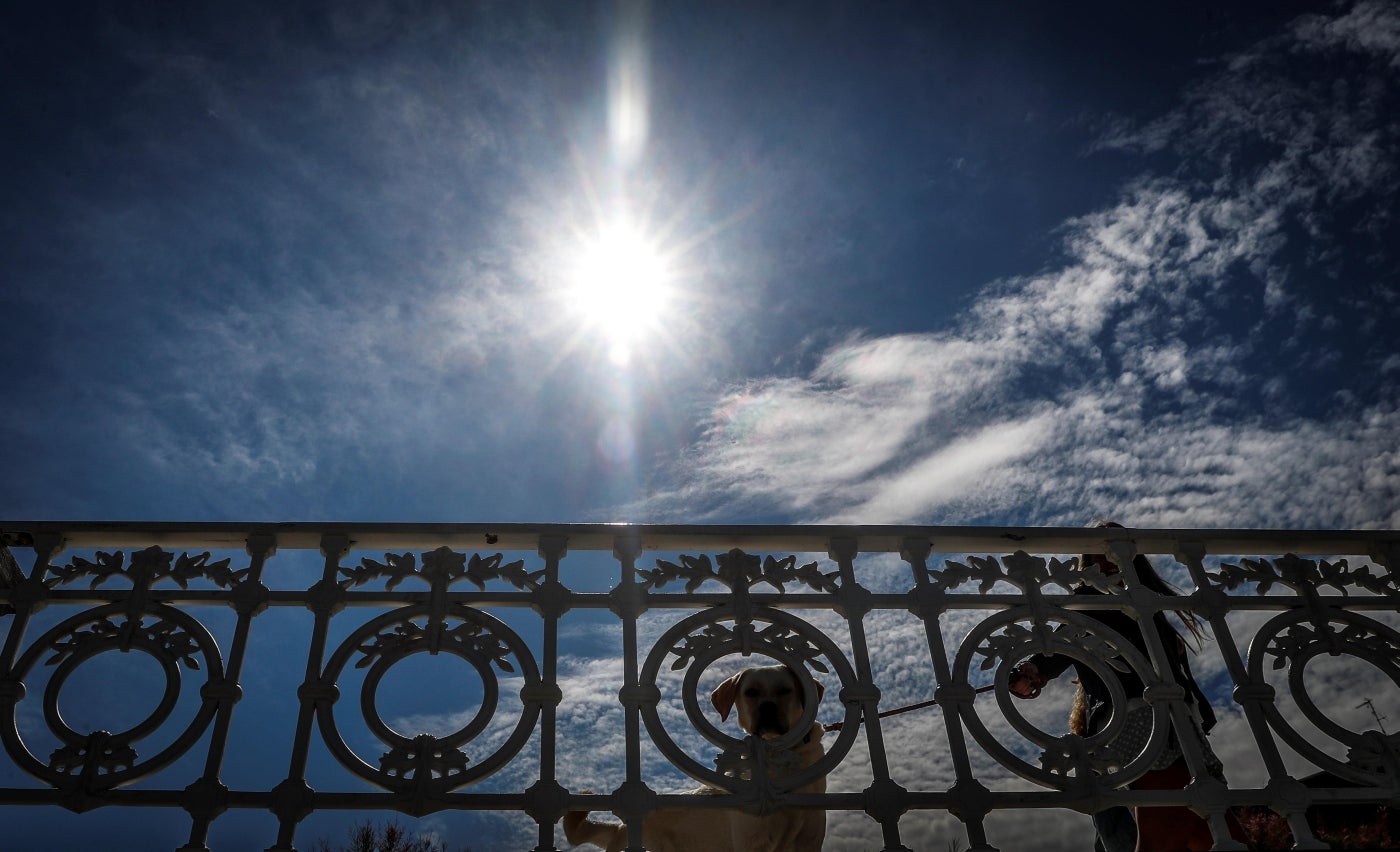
(770, 699)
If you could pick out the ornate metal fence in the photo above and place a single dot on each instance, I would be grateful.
(494, 597)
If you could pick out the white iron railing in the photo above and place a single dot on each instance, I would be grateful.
(77, 591)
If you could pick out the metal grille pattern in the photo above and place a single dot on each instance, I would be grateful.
(442, 590)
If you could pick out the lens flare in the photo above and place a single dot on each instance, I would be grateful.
(620, 288)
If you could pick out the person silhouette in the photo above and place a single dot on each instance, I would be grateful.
(1157, 829)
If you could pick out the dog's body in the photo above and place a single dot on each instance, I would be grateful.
(770, 701)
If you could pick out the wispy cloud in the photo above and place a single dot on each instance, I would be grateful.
(1154, 374)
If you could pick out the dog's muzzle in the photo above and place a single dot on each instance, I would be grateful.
(767, 720)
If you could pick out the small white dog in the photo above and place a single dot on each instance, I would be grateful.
(770, 701)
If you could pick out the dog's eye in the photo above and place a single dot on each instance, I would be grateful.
(751, 692)
(785, 690)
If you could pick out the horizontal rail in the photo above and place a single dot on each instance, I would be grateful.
(688, 601)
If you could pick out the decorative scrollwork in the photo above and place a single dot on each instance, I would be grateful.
(779, 636)
(1021, 570)
(175, 641)
(1298, 574)
(762, 766)
(1072, 754)
(739, 570)
(442, 568)
(423, 757)
(1295, 637)
(148, 567)
(1375, 753)
(1293, 641)
(1008, 637)
(99, 759)
(395, 566)
(480, 570)
(107, 565)
(100, 752)
(189, 567)
(100, 631)
(1009, 643)
(163, 634)
(424, 763)
(467, 639)
(739, 765)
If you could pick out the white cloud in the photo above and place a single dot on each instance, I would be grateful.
(1141, 378)
(1368, 27)
(1146, 378)
(953, 473)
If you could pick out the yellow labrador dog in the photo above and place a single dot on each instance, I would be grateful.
(770, 701)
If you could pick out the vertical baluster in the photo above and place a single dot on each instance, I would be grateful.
(884, 798)
(1290, 797)
(546, 799)
(292, 798)
(1145, 605)
(955, 699)
(27, 596)
(634, 799)
(206, 798)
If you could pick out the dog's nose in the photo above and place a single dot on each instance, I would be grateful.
(769, 719)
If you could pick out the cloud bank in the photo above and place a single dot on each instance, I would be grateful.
(1208, 353)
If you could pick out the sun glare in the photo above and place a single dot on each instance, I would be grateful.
(620, 288)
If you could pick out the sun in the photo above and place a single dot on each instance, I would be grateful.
(620, 287)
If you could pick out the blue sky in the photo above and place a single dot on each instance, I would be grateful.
(1013, 265)
(312, 264)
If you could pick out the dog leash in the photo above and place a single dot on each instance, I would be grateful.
(836, 726)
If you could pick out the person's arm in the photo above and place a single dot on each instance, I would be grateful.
(1028, 678)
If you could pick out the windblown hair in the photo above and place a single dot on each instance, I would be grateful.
(1147, 574)
(1149, 577)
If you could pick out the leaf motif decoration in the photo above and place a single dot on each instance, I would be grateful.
(1299, 574)
(105, 566)
(169, 636)
(176, 641)
(390, 642)
(98, 631)
(423, 759)
(1024, 570)
(476, 642)
(468, 639)
(795, 644)
(739, 570)
(695, 570)
(1290, 643)
(780, 571)
(189, 567)
(99, 749)
(396, 566)
(699, 642)
(148, 566)
(1287, 646)
(443, 566)
(983, 568)
(480, 570)
(1002, 643)
(1102, 648)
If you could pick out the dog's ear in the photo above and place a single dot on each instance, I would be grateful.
(723, 696)
(798, 677)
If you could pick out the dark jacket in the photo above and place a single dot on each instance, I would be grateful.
(1096, 691)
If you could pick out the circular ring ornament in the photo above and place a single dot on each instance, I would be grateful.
(102, 760)
(1003, 640)
(702, 639)
(1292, 638)
(426, 762)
